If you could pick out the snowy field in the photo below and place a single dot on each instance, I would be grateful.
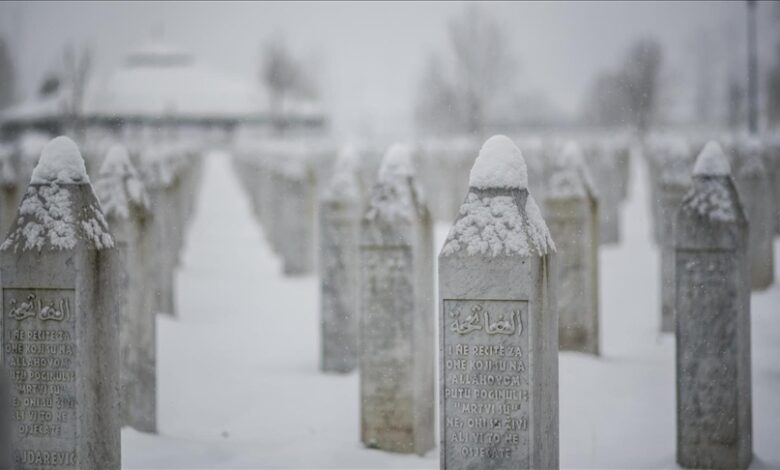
(239, 385)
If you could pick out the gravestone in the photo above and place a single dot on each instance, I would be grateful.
(340, 212)
(756, 196)
(606, 174)
(673, 182)
(9, 188)
(713, 321)
(396, 327)
(59, 270)
(6, 418)
(498, 324)
(159, 178)
(571, 213)
(125, 205)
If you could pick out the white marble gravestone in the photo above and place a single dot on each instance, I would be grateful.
(125, 205)
(59, 327)
(755, 194)
(396, 307)
(571, 213)
(498, 324)
(340, 213)
(713, 321)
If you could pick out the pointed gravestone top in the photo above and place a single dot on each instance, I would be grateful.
(570, 177)
(119, 186)
(500, 164)
(60, 162)
(59, 208)
(712, 161)
(397, 162)
(499, 216)
(712, 196)
(344, 183)
(395, 196)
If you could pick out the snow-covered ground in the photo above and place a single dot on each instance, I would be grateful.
(239, 385)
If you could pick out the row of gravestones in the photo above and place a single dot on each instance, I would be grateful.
(756, 172)
(508, 299)
(284, 180)
(83, 271)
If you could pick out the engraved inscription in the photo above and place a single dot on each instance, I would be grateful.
(486, 383)
(39, 352)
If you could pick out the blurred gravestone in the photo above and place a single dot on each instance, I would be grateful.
(125, 204)
(59, 320)
(571, 213)
(159, 179)
(396, 332)
(772, 162)
(605, 172)
(756, 196)
(498, 323)
(6, 452)
(9, 189)
(713, 321)
(340, 212)
(673, 182)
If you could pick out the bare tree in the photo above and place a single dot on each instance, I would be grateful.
(284, 77)
(435, 108)
(606, 104)
(7, 76)
(466, 82)
(640, 78)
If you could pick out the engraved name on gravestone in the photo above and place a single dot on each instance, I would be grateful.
(713, 321)
(396, 327)
(498, 324)
(58, 325)
(340, 211)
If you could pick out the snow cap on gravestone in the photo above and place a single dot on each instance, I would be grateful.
(712, 161)
(119, 186)
(500, 164)
(396, 162)
(344, 182)
(60, 162)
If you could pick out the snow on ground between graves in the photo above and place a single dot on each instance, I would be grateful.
(239, 385)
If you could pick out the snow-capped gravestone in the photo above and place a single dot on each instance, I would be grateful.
(498, 324)
(756, 196)
(674, 180)
(396, 307)
(713, 321)
(58, 269)
(125, 205)
(571, 212)
(340, 212)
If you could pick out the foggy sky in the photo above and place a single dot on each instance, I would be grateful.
(370, 54)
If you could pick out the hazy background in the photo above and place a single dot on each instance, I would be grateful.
(368, 56)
